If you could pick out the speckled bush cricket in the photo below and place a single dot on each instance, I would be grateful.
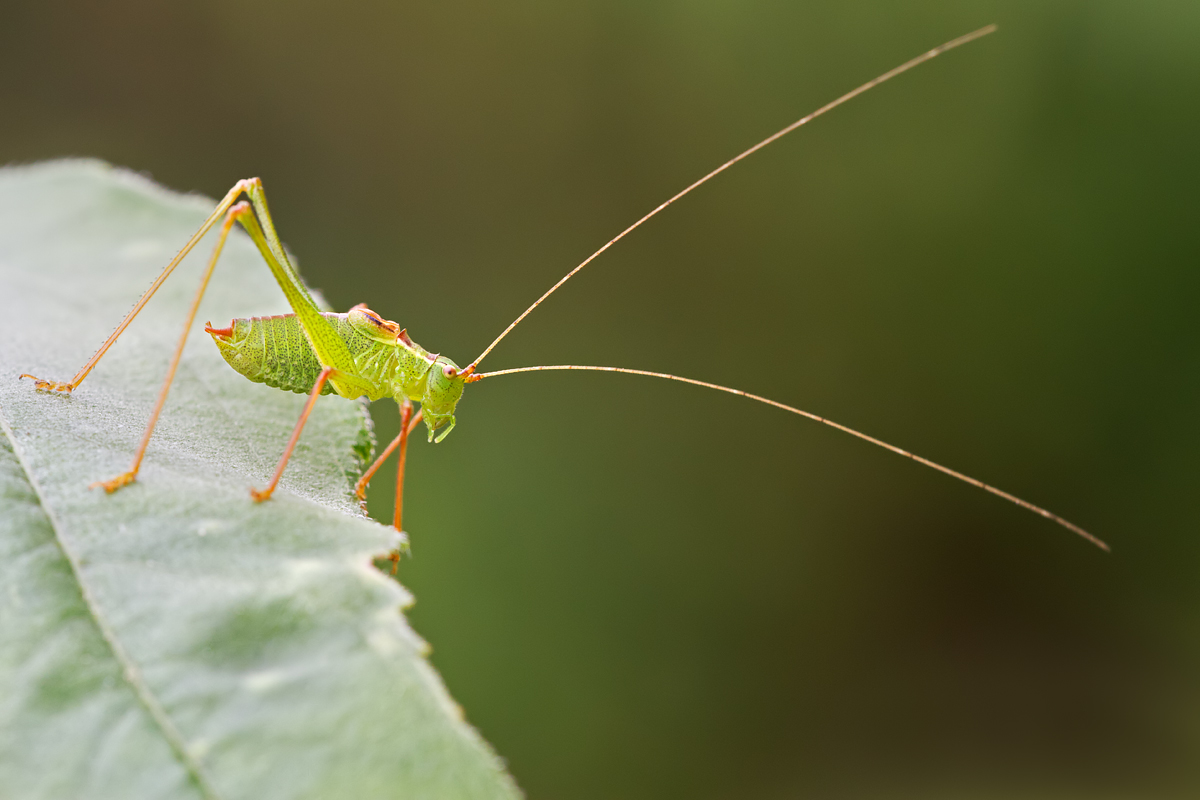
(358, 353)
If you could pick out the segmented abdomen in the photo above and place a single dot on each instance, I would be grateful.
(275, 351)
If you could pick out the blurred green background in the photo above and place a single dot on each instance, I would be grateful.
(639, 589)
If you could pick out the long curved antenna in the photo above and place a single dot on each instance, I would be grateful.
(905, 67)
(898, 451)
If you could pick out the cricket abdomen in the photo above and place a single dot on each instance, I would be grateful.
(272, 350)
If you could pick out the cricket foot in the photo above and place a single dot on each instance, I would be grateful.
(42, 385)
(124, 479)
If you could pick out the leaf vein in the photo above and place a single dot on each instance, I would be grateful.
(129, 668)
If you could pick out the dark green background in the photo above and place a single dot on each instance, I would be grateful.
(641, 589)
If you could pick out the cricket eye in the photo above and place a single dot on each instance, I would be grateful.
(448, 371)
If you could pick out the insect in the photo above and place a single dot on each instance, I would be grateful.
(358, 353)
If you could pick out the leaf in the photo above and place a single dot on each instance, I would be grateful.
(175, 639)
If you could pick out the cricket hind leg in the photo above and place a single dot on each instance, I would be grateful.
(130, 475)
(329, 347)
(67, 387)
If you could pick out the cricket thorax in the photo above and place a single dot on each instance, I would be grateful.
(384, 354)
(411, 371)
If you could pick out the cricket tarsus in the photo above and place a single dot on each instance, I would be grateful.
(43, 385)
(814, 417)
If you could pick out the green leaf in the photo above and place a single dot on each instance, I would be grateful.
(175, 639)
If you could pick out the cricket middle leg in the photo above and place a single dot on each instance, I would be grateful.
(360, 487)
(265, 494)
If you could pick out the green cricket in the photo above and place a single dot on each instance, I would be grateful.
(359, 354)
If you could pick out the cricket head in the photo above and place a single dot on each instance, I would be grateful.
(444, 384)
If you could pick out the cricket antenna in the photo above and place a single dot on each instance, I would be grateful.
(1025, 504)
(905, 67)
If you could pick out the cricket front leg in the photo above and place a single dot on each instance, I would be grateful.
(406, 426)
(360, 487)
(408, 422)
(130, 475)
(42, 384)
